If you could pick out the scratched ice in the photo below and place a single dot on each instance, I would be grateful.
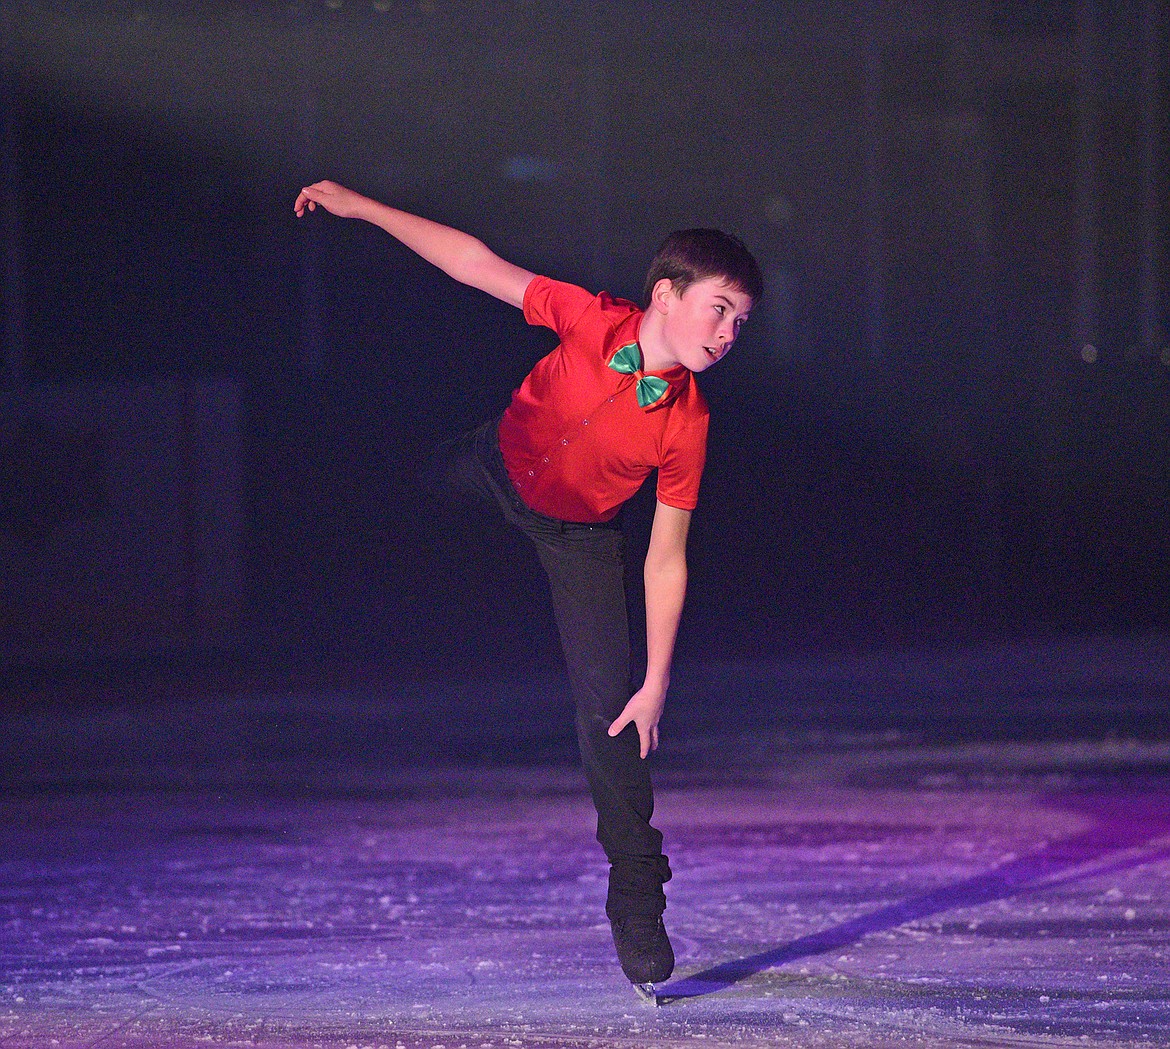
(160, 886)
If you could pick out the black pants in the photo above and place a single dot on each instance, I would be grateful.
(586, 573)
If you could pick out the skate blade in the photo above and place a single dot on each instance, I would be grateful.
(645, 991)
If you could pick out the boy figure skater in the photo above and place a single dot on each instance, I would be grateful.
(615, 400)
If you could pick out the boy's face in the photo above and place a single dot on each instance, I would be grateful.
(702, 323)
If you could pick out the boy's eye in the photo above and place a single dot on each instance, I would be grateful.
(720, 310)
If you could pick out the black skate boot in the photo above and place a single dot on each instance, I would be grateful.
(644, 950)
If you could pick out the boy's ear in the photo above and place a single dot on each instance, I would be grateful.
(661, 294)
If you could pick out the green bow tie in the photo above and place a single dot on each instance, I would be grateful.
(649, 388)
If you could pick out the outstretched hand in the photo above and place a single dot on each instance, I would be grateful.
(334, 198)
(644, 710)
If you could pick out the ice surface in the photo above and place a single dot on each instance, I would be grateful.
(168, 886)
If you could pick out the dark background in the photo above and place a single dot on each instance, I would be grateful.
(946, 423)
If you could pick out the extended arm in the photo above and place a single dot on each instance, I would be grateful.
(457, 254)
(666, 587)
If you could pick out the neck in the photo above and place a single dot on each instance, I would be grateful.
(655, 355)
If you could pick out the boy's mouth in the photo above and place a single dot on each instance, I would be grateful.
(713, 352)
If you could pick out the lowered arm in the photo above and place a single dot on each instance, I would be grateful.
(665, 574)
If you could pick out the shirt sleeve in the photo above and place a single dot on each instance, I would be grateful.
(682, 465)
(555, 304)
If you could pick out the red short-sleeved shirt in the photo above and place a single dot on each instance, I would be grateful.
(574, 439)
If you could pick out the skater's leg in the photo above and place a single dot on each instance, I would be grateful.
(585, 568)
(586, 574)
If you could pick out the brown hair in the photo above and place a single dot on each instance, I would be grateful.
(691, 255)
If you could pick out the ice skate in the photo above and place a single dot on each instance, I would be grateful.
(644, 951)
